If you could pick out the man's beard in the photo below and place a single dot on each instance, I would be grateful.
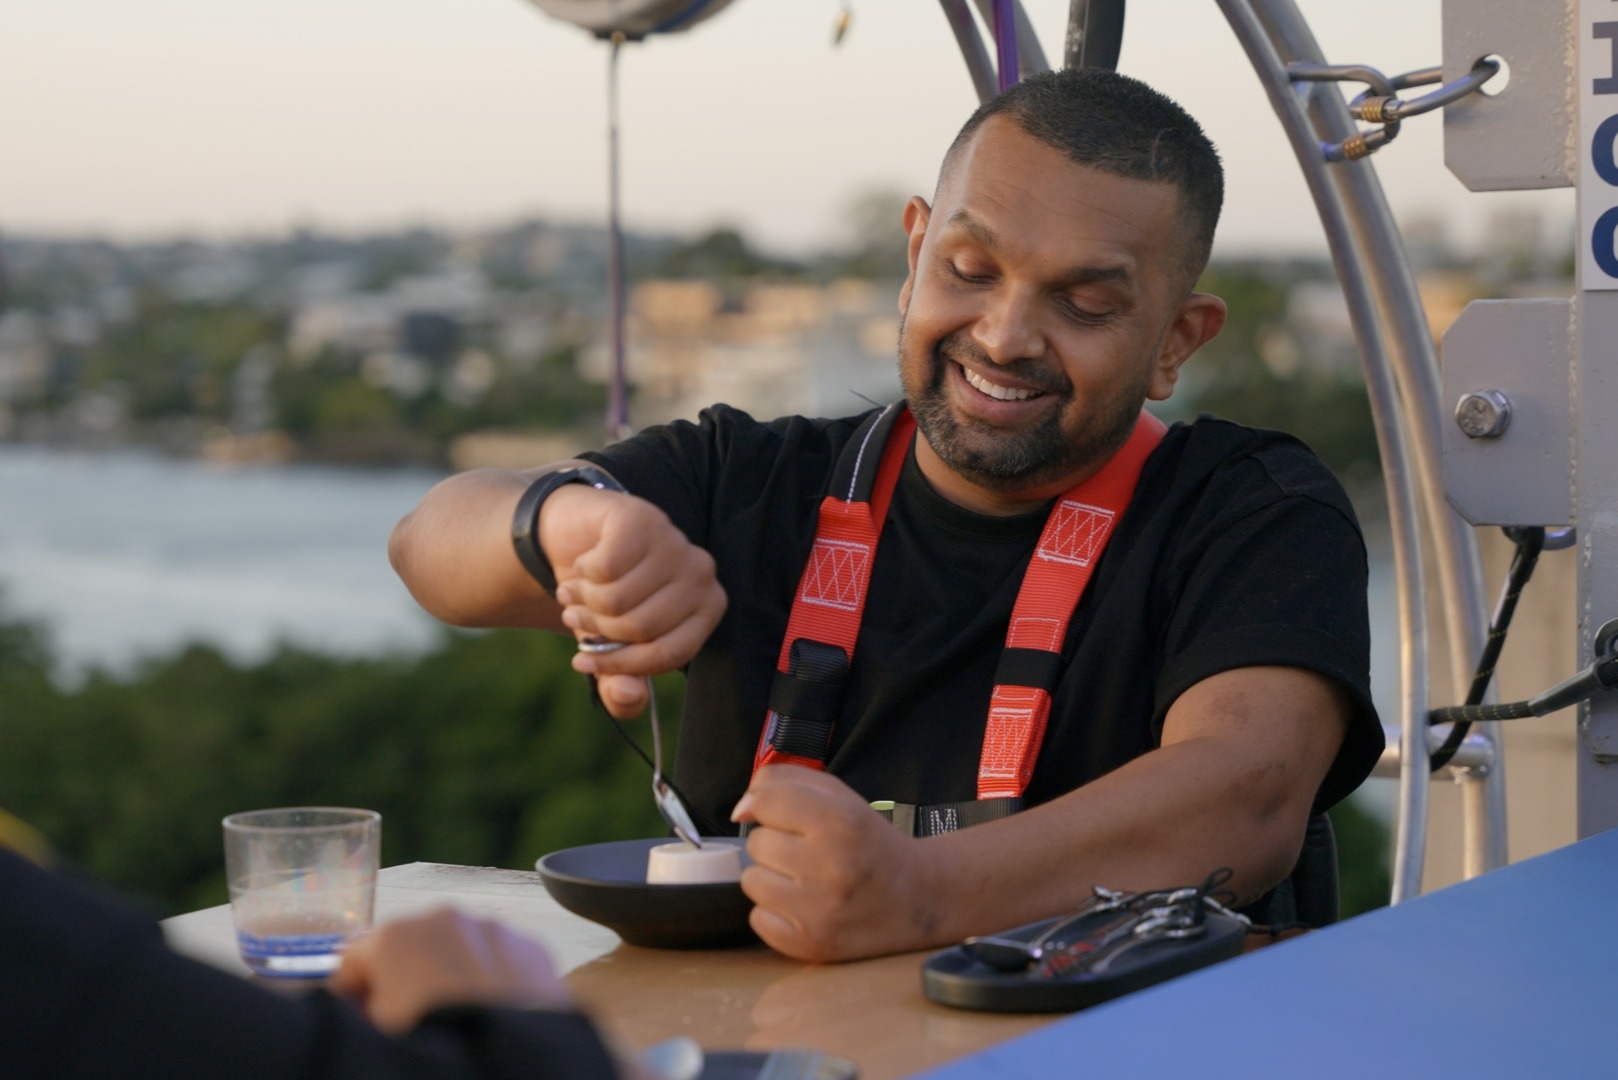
(1005, 460)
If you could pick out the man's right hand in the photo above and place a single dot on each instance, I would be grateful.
(625, 573)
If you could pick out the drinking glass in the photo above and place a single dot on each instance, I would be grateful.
(302, 882)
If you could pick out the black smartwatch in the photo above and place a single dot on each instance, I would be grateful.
(525, 522)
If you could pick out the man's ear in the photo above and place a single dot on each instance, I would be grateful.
(916, 215)
(1198, 319)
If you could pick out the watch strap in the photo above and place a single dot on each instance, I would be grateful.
(525, 521)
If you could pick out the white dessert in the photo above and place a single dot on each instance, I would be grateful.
(682, 864)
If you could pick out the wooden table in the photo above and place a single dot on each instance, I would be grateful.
(871, 1012)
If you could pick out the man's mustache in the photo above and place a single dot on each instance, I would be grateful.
(958, 347)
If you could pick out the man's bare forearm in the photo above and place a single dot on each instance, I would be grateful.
(1231, 787)
(1243, 754)
(623, 571)
(1048, 859)
(454, 552)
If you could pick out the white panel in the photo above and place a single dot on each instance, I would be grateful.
(1521, 138)
(1598, 143)
(1524, 476)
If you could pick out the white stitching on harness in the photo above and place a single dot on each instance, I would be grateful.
(860, 457)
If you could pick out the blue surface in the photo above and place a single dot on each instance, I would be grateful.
(1511, 974)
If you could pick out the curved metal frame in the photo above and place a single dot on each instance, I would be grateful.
(970, 42)
(1387, 413)
(1367, 248)
(1095, 33)
(979, 64)
(1402, 382)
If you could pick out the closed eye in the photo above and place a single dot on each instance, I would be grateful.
(1079, 314)
(974, 279)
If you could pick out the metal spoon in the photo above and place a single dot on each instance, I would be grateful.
(668, 803)
(1014, 954)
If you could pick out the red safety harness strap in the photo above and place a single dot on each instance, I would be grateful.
(1075, 534)
(830, 603)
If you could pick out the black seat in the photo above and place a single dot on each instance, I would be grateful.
(1308, 896)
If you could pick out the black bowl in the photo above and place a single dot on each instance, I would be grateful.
(606, 883)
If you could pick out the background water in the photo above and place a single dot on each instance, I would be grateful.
(124, 555)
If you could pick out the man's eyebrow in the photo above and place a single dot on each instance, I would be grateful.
(963, 220)
(1096, 275)
(1078, 275)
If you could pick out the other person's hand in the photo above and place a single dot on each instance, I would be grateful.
(403, 970)
(626, 573)
(831, 878)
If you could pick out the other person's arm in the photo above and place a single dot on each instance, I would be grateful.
(401, 971)
(88, 989)
(1242, 756)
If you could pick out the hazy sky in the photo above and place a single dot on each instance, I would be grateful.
(142, 117)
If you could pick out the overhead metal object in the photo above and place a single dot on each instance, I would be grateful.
(978, 63)
(1095, 34)
(635, 19)
(1030, 56)
(1523, 136)
(1517, 471)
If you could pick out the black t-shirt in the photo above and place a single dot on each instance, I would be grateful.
(1238, 549)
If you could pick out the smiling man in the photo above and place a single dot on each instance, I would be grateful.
(1069, 646)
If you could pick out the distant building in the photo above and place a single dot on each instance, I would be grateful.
(775, 349)
(25, 356)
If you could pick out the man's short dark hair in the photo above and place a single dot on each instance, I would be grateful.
(1119, 125)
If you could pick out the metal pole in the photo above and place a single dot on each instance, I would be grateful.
(618, 401)
(1095, 33)
(971, 45)
(1030, 55)
(1385, 410)
(1004, 22)
(1475, 752)
(1415, 367)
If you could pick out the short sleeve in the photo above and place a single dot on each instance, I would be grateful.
(1278, 578)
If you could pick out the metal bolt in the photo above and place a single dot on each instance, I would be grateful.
(1484, 414)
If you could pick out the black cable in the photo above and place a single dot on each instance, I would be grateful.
(1600, 677)
(1595, 679)
(623, 733)
(1530, 542)
(1463, 716)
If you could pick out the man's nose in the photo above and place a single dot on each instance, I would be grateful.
(1008, 329)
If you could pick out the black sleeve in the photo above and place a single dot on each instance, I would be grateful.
(88, 989)
(728, 468)
(1276, 574)
(673, 466)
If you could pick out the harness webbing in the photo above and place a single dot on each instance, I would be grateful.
(1075, 534)
(830, 603)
